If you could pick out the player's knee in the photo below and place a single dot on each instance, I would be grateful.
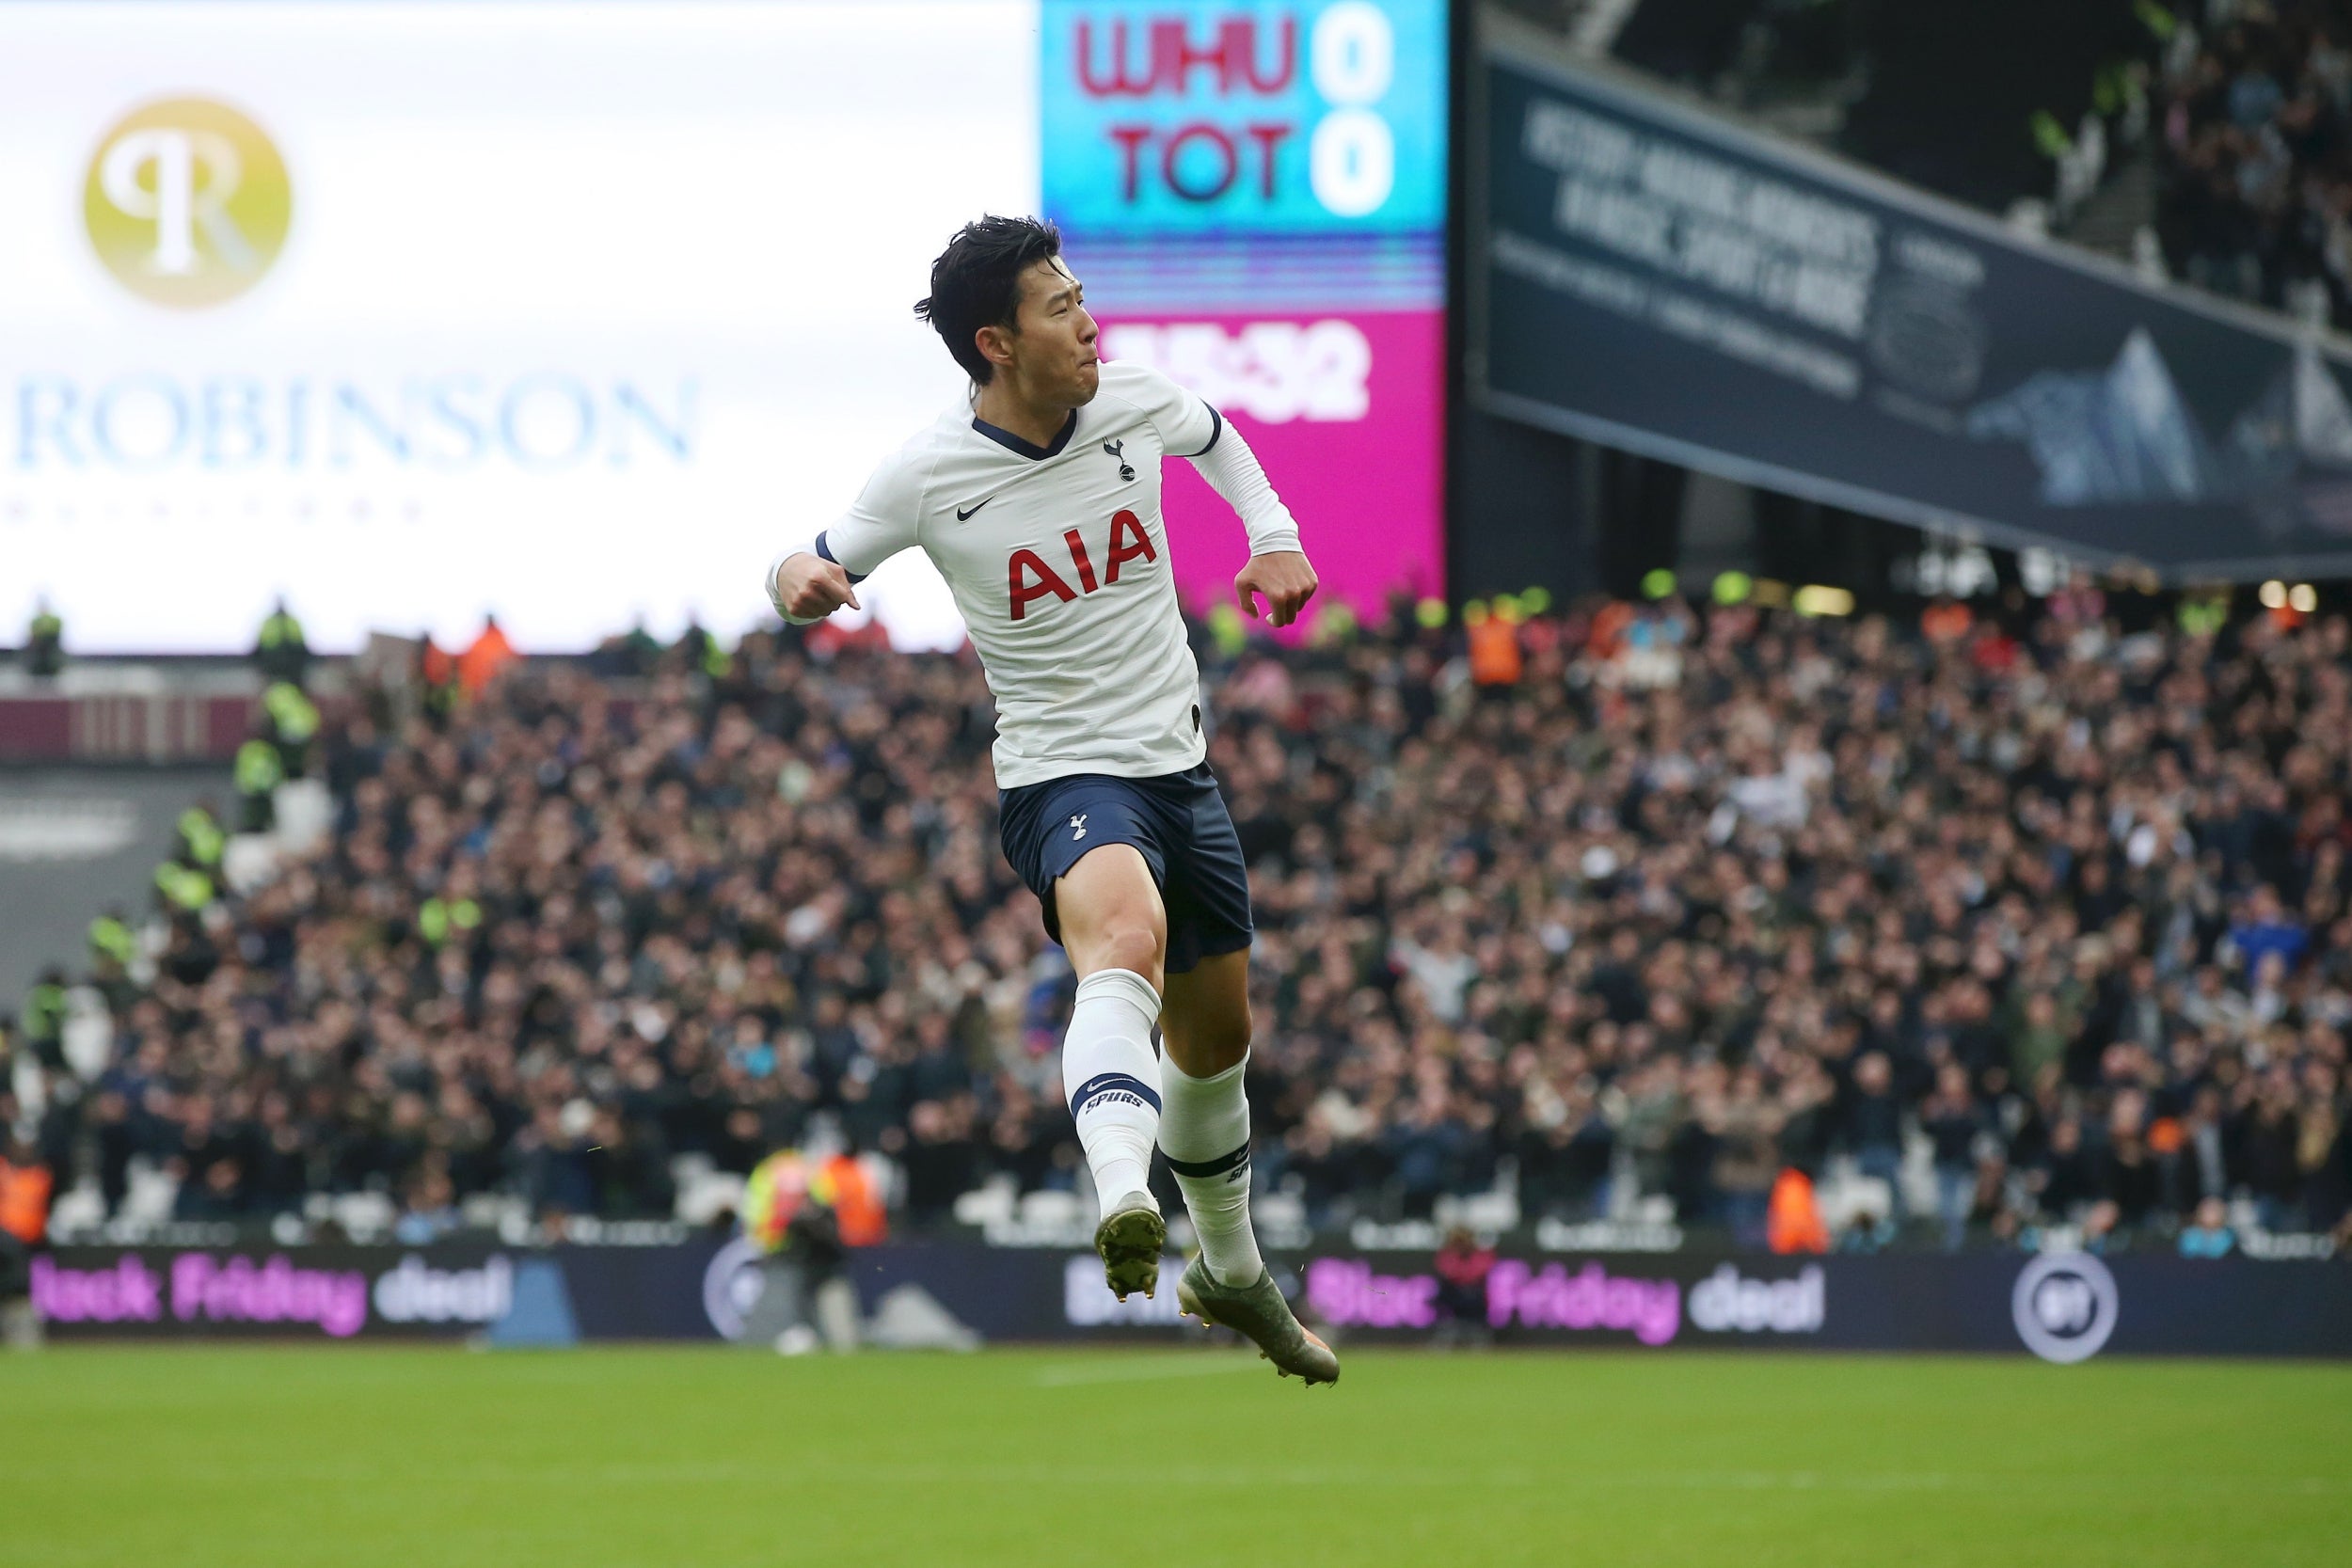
(1131, 944)
(1225, 1038)
(1227, 1027)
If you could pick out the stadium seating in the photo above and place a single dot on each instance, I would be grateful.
(2255, 110)
(1529, 950)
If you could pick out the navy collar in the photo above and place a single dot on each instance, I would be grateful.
(1029, 449)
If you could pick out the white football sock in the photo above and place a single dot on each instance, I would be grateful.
(1112, 1078)
(1205, 1130)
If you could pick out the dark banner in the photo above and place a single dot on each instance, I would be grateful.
(1649, 277)
(2061, 1306)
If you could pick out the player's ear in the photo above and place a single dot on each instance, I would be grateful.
(995, 344)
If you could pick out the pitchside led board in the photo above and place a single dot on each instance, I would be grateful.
(572, 311)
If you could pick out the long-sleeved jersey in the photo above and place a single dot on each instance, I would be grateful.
(1059, 561)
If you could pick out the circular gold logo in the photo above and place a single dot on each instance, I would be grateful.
(187, 202)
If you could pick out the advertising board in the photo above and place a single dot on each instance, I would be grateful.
(1654, 276)
(571, 312)
(2063, 1307)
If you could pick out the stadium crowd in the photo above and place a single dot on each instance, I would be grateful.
(1669, 895)
(2255, 106)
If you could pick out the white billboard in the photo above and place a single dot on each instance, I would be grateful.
(418, 311)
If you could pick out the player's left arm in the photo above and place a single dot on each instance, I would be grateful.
(1277, 568)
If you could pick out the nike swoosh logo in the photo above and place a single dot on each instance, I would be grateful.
(963, 517)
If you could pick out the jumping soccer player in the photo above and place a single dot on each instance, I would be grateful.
(1039, 500)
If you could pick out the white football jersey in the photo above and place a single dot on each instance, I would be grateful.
(1059, 561)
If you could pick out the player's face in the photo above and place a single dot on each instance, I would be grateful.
(1053, 352)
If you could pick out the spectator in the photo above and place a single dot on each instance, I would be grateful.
(2267, 932)
(1463, 1264)
(1874, 1127)
(2208, 1233)
(790, 1216)
(489, 653)
(2067, 1180)
(1865, 1234)
(1747, 1127)
(281, 650)
(44, 642)
(942, 1162)
(1950, 1120)
(2128, 1177)
(428, 1209)
(27, 1187)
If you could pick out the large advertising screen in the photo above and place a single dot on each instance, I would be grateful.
(571, 312)
(416, 311)
(1658, 279)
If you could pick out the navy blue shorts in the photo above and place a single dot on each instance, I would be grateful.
(1179, 823)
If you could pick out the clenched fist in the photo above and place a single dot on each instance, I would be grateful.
(1285, 580)
(809, 588)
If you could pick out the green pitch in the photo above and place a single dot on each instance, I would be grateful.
(356, 1458)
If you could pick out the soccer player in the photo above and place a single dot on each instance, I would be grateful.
(1038, 498)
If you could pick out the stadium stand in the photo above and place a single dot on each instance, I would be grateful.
(1998, 927)
(2257, 155)
(2219, 131)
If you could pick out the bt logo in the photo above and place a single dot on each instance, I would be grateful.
(2064, 1306)
(187, 202)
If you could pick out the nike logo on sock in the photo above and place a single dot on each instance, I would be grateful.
(963, 517)
(1121, 1088)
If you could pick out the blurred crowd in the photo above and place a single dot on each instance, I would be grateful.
(2027, 924)
(2256, 162)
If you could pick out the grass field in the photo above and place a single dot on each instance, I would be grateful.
(220, 1458)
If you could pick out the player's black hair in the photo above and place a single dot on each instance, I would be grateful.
(977, 282)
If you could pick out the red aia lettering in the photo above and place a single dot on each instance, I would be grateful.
(1127, 525)
(1078, 558)
(1027, 577)
(1046, 582)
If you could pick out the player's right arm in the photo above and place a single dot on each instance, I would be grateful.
(809, 582)
(806, 588)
